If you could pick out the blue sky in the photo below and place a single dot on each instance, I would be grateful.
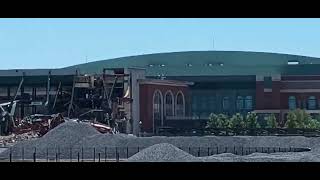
(54, 43)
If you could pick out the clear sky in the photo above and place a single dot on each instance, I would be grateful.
(54, 43)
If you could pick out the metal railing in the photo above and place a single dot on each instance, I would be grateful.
(118, 154)
(167, 131)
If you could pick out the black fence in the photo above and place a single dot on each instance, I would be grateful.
(170, 131)
(118, 154)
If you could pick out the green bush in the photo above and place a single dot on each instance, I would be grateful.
(251, 121)
(237, 121)
(272, 121)
(301, 119)
(291, 120)
(218, 121)
(213, 121)
(313, 124)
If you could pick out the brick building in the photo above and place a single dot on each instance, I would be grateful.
(222, 82)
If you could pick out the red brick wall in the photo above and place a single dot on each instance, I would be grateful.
(146, 98)
(300, 85)
(268, 100)
(285, 78)
(259, 95)
(276, 85)
(299, 97)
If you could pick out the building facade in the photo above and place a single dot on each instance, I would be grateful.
(222, 82)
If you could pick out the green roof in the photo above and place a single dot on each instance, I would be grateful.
(209, 63)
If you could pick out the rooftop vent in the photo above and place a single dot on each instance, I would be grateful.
(210, 64)
(189, 65)
(293, 62)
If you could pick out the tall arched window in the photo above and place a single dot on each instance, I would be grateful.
(169, 104)
(225, 103)
(248, 102)
(239, 102)
(292, 102)
(312, 102)
(180, 104)
(157, 110)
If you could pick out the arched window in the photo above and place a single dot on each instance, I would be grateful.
(169, 104)
(239, 102)
(312, 102)
(292, 102)
(180, 104)
(225, 103)
(248, 102)
(157, 110)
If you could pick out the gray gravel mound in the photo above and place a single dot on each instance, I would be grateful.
(72, 139)
(163, 152)
(59, 140)
(263, 157)
(107, 145)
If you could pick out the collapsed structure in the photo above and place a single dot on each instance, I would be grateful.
(119, 98)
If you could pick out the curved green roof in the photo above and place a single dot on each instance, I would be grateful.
(208, 63)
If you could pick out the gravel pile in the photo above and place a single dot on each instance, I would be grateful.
(59, 139)
(72, 139)
(107, 145)
(263, 157)
(163, 152)
(127, 146)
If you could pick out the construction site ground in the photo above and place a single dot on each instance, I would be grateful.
(82, 141)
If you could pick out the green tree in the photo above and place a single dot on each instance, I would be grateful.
(251, 121)
(237, 121)
(303, 118)
(272, 121)
(300, 119)
(291, 120)
(224, 121)
(218, 121)
(313, 124)
(213, 121)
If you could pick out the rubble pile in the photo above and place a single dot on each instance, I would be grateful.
(163, 152)
(14, 138)
(38, 123)
(168, 153)
(58, 140)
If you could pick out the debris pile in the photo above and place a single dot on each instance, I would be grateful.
(263, 157)
(59, 140)
(163, 152)
(14, 138)
(38, 123)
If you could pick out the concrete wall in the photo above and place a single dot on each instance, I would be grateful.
(135, 74)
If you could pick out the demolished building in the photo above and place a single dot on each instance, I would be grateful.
(118, 97)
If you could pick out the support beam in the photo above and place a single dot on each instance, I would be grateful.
(55, 99)
(22, 105)
(72, 94)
